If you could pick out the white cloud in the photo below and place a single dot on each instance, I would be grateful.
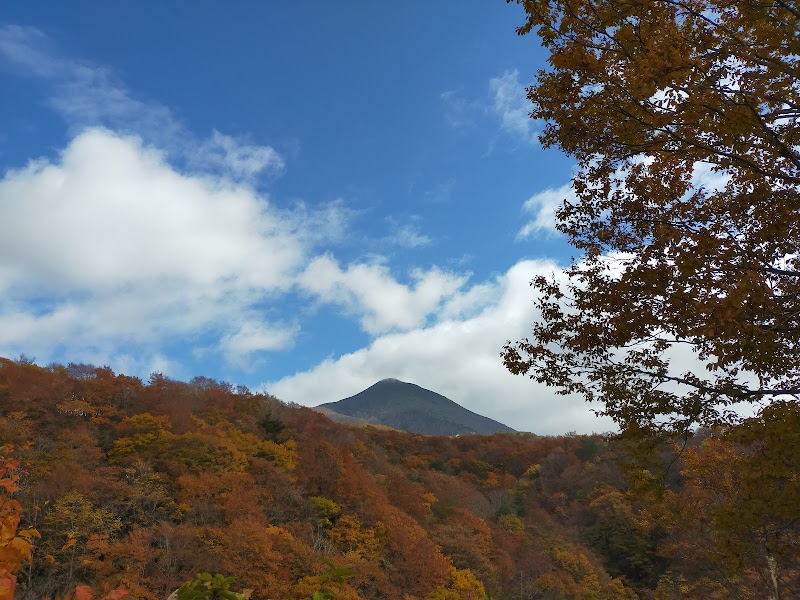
(110, 244)
(114, 212)
(511, 105)
(240, 160)
(324, 223)
(255, 336)
(371, 293)
(542, 207)
(467, 303)
(458, 356)
(408, 236)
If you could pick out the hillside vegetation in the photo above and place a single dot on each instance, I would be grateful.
(143, 485)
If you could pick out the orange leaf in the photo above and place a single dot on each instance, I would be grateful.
(97, 542)
(10, 559)
(118, 593)
(9, 485)
(7, 585)
(83, 592)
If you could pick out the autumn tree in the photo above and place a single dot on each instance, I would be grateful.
(15, 547)
(683, 118)
(732, 528)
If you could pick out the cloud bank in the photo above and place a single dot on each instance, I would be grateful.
(111, 245)
(458, 356)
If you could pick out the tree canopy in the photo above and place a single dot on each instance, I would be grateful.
(683, 118)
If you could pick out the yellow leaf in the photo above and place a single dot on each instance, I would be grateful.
(24, 548)
(69, 544)
(30, 533)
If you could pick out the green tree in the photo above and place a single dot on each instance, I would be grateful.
(208, 587)
(683, 118)
(272, 426)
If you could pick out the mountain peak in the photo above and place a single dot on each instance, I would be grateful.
(409, 407)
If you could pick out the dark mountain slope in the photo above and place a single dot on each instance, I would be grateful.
(411, 408)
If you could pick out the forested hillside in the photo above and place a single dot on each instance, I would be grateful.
(145, 485)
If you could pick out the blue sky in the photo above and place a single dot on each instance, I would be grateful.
(303, 198)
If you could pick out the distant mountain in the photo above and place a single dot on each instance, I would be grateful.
(409, 407)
